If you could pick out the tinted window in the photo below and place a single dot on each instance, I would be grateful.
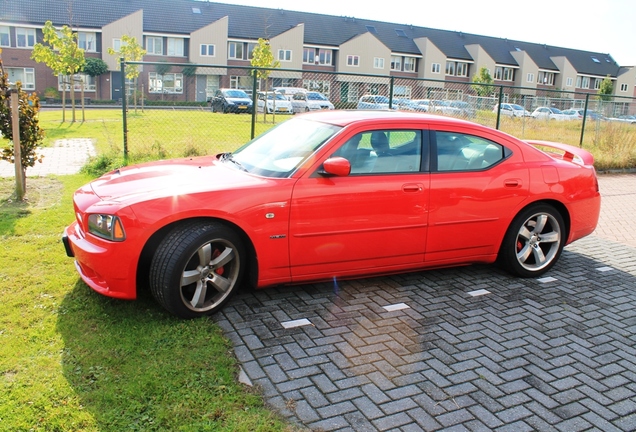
(385, 151)
(460, 152)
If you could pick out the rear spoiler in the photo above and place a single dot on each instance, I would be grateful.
(570, 153)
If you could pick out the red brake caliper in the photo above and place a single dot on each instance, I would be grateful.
(219, 270)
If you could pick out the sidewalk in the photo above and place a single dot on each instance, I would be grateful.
(67, 156)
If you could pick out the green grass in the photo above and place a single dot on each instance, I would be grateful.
(72, 360)
(166, 133)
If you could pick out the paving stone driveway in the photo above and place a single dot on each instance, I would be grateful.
(468, 349)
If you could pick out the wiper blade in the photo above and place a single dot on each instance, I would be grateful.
(229, 157)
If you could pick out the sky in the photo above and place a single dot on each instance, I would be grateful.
(600, 26)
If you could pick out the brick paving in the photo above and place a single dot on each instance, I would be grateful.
(551, 354)
(66, 156)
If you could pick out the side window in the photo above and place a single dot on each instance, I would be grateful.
(461, 152)
(384, 152)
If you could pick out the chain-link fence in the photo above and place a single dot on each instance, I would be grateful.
(174, 109)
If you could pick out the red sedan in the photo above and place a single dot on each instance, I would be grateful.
(331, 194)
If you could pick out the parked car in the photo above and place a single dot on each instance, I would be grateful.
(625, 119)
(328, 195)
(310, 101)
(289, 92)
(577, 113)
(549, 113)
(275, 103)
(231, 101)
(421, 104)
(512, 110)
(373, 102)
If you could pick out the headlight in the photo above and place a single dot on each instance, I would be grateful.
(106, 226)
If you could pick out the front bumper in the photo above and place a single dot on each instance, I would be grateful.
(106, 267)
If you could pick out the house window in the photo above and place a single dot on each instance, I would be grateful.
(284, 55)
(435, 68)
(154, 45)
(87, 41)
(568, 82)
(64, 82)
(530, 78)
(546, 78)
(624, 87)
(175, 47)
(207, 50)
(235, 50)
(320, 86)
(583, 82)
(450, 68)
(504, 74)
(378, 63)
(461, 69)
(250, 50)
(409, 64)
(396, 63)
(597, 83)
(324, 57)
(171, 83)
(5, 40)
(25, 37)
(309, 56)
(25, 75)
(353, 60)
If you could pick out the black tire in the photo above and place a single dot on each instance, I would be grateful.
(226, 109)
(213, 108)
(534, 241)
(196, 268)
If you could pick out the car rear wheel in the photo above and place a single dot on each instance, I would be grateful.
(196, 268)
(534, 241)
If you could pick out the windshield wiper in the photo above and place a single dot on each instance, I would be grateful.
(229, 157)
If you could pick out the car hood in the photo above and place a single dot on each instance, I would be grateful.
(170, 178)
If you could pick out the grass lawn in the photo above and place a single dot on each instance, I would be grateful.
(72, 360)
(160, 134)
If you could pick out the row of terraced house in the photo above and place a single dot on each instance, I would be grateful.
(208, 34)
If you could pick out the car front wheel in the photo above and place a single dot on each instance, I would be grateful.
(534, 241)
(196, 268)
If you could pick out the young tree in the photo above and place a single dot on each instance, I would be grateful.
(262, 57)
(606, 89)
(30, 133)
(95, 67)
(62, 55)
(483, 77)
(130, 51)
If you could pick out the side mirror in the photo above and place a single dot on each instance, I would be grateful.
(337, 166)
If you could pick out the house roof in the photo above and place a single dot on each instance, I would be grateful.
(247, 22)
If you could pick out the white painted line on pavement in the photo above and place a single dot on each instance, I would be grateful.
(605, 269)
(396, 307)
(547, 279)
(296, 323)
(478, 292)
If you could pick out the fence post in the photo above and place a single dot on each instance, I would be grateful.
(499, 106)
(17, 150)
(587, 101)
(391, 83)
(124, 96)
(255, 103)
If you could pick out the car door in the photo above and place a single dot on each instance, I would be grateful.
(475, 182)
(371, 220)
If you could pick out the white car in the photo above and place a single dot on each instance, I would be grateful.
(275, 103)
(310, 101)
(512, 110)
(549, 113)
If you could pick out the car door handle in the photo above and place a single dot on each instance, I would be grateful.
(412, 187)
(512, 183)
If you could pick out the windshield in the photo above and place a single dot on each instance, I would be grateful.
(315, 96)
(517, 107)
(381, 99)
(281, 150)
(235, 94)
(279, 96)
